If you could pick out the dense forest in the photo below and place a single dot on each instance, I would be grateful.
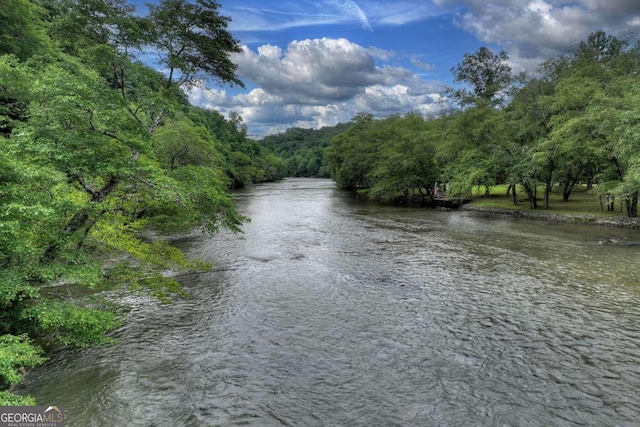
(303, 149)
(97, 146)
(575, 120)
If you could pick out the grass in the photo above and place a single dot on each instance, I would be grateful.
(581, 201)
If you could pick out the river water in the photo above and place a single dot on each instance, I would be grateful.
(329, 311)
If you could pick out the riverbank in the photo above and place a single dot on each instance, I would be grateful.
(617, 221)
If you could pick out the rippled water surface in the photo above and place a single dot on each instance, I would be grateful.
(332, 312)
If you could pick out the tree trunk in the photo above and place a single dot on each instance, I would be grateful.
(567, 189)
(611, 200)
(405, 196)
(632, 205)
(531, 193)
(81, 219)
(547, 192)
(589, 184)
(514, 193)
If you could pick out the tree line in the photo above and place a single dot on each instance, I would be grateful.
(303, 149)
(575, 120)
(95, 147)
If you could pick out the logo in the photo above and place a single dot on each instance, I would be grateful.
(31, 416)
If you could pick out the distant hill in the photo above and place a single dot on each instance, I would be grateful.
(303, 148)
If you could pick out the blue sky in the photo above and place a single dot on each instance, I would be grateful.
(313, 63)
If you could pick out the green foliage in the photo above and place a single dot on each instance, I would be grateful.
(192, 41)
(576, 122)
(61, 323)
(22, 30)
(392, 157)
(81, 26)
(303, 149)
(406, 159)
(274, 167)
(352, 154)
(205, 198)
(96, 149)
(10, 399)
(16, 354)
(181, 142)
(474, 148)
(14, 86)
(488, 75)
(245, 160)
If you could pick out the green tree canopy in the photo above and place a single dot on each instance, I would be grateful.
(487, 75)
(192, 42)
(23, 32)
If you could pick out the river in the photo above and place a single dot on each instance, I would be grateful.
(329, 311)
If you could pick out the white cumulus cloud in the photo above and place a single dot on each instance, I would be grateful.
(318, 82)
(542, 28)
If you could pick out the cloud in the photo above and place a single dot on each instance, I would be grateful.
(351, 8)
(256, 17)
(318, 82)
(383, 55)
(247, 19)
(323, 81)
(542, 28)
(252, 15)
(422, 65)
(401, 12)
(310, 71)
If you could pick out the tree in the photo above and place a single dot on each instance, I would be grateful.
(531, 114)
(181, 143)
(600, 49)
(405, 161)
(94, 148)
(560, 143)
(22, 31)
(473, 148)
(192, 42)
(473, 151)
(303, 149)
(617, 117)
(18, 353)
(274, 167)
(588, 104)
(80, 26)
(352, 154)
(14, 87)
(487, 74)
